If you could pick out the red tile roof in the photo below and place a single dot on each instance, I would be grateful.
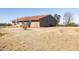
(32, 18)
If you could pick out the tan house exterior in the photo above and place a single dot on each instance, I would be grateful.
(37, 21)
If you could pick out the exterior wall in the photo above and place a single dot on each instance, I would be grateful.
(48, 22)
(35, 24)
(17, 24)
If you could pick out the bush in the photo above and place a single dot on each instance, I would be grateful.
(71, 24)
(5, 24)
(24, 27)
(1, 34)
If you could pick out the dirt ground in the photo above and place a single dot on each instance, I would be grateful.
(40, 39)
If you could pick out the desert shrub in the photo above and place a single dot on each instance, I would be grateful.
(61, 30)
(24, 26)
(5, 24)
(1, 34)
(71, 24)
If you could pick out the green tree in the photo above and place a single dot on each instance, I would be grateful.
(57, 17)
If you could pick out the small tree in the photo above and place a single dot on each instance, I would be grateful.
(26, 25)
(29, 23)
(68, 17)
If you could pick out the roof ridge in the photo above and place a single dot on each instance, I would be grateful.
(37, 15)
(26, 18)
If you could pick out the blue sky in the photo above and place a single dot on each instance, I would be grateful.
(8, 14)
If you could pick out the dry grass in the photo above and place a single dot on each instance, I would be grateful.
(43, 39)
(1, 34)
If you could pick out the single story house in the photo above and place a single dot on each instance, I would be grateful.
(37, 21)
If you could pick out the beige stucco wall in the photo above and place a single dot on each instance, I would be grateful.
(35, 24)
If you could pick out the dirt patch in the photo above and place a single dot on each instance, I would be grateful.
(40, 39)
(1, 34)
